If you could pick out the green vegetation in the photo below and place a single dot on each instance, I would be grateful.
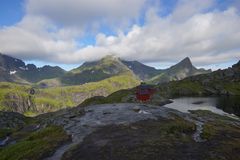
(181, 88)
(5, 131)
(222, 135)
(37, 145)
(116, 97)
(107, 67)
(64, 96)
(15, 97)
(12, 94)
(232, 87)
(188, 87)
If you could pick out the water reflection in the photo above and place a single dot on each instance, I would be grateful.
(219, 105)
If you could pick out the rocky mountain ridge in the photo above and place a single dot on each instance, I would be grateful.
(177, 72)
(15, 70)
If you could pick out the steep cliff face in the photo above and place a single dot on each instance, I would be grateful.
(19, 103)
(15, 97)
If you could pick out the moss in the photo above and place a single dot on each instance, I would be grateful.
(232, 88)
(179, 125)
(186, 87)
(209, 131)
(5, 131)
(116, 97)
(224, 139)
(48, 101)
(36, 146)
(221, 134)
(30, 114)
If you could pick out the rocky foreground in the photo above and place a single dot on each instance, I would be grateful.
(120, 131)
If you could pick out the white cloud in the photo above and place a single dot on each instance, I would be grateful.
(86, 12)
(30, 39)
(187, 8)
(50, 30)
(205, 37)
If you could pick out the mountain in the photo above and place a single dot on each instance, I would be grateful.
(110, 66)
(220, 82)
(8, 67)
(225, 83)
(15, 70)
(33, 74)
(179, 71)
(144, 72)
(106, 67)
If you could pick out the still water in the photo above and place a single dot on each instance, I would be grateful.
(219, 105)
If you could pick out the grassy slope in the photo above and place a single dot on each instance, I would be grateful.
(194, 88)
(95, 71)
(52, 99)
(64, 96)
(11, 89)
(36, 145)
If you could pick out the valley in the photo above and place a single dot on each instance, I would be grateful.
(56, 88)
(120, 80)
(83, 115)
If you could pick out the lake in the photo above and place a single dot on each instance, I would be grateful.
(220, 105)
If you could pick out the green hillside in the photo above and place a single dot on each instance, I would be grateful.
(15, 97)
(95, 71)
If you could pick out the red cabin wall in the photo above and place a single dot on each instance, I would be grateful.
(144, 94)
(145, 97)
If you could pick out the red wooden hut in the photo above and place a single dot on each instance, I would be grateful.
(144, 92)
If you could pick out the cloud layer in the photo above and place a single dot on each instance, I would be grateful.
(52, 31)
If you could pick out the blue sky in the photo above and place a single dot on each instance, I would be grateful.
(12, 12)
(156, 32)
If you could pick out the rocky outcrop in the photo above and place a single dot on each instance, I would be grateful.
(18, 103)
(144, 130)
(11, 120)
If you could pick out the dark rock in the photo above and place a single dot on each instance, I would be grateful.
(11, 120)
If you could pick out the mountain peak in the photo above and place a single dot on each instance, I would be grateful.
(110, 58)
(185, 63)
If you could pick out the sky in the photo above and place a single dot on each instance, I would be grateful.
(155, 32)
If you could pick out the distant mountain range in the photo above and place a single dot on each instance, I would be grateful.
(15, 70)
(225, 83)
